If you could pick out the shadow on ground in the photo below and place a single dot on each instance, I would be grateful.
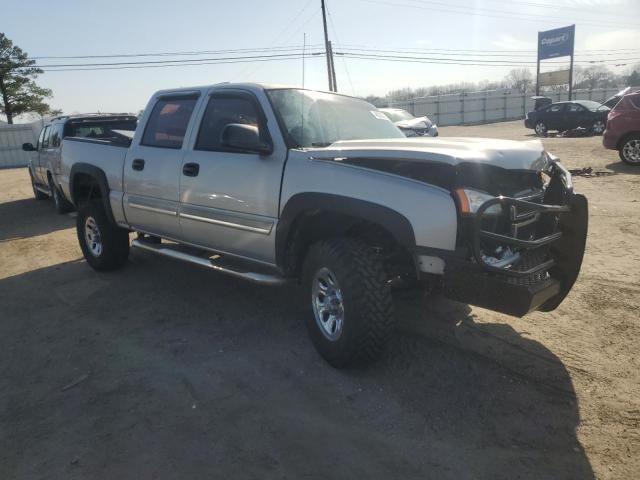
(621, 167)
(163, 370)
(29, 218)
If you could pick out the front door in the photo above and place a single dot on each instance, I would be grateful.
(229, 198)
(153, 164)
(43, 155)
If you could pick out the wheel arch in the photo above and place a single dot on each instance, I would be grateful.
(303, 209)
(626, 137)
(88, 182)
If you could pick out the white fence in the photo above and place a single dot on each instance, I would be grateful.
(11, 139)
(488, 106)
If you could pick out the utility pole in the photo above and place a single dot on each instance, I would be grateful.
(327, 48)
(333, 68)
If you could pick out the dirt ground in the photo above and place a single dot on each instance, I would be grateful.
(164, 370)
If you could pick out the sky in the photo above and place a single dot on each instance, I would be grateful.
(455, 28)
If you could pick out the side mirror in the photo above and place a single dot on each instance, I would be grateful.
(28, 147)
(244, 137)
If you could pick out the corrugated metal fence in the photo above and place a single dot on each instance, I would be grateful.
(487, 106)
(11, 139)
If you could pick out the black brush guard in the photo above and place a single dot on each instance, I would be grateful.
(557, 248)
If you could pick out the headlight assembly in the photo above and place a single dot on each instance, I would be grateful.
(470, 200)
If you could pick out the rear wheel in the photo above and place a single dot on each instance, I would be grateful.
(61, 204)
(540, 128)
(598, 127)
(351, 307)
(105, 246)
(630, 150)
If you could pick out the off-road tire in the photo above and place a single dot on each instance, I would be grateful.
(61, 204)
(627, 142)
(37, 193)
(114, 240)
(540, 128)
(368, 315)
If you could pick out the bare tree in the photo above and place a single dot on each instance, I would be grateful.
(520, 79)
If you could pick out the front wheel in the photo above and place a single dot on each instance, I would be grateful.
(630, 151)
(61, 204)
(105, 246)
(36, 193)
(598, 127)
(351, 306)
(540, 128)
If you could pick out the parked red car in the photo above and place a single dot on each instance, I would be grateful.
(623, 129)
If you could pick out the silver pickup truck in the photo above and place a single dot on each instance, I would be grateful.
(271, 184)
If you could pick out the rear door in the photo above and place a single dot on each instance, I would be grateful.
(55, 142)
(229, 198)
(553, 116)
(153, 164)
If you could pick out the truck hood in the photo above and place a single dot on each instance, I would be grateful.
(505, 154)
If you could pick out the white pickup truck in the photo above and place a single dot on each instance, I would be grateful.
(270, 184)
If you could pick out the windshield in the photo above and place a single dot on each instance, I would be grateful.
(317, 119)
(398, 115)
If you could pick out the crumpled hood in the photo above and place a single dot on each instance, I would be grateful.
(419, 122)
(507, 154)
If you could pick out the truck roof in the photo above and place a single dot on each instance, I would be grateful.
(255, 87)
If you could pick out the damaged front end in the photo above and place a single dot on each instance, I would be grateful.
(520, 253)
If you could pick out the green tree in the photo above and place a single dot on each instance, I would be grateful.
(19, 92)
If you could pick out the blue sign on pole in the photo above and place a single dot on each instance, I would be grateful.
(556, 43)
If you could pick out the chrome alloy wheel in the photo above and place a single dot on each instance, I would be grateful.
(598, 127)
(540, 128)
(327, 303)
(92, 236)
(631, 151)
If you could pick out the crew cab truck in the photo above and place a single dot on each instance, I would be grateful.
(272, 184)
(44, 165)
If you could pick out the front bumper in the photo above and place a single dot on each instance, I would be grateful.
(548, 263)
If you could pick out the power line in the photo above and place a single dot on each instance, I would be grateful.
(504, 15)
(454, 53)
(176, 54)
(532, 15)
(445, 61)
(160, 62)
(231, 61)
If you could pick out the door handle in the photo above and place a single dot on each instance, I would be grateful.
(191, 169)
(138, 164)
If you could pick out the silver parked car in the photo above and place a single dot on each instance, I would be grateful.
(409, 125)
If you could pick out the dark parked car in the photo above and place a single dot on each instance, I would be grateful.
(563, 116)
(411, 126)
(623, 129)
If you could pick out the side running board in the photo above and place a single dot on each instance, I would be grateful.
(175, 252)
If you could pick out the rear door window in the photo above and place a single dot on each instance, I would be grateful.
(45, 137)
(555, 108)
(167, 124)
(56, 134)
